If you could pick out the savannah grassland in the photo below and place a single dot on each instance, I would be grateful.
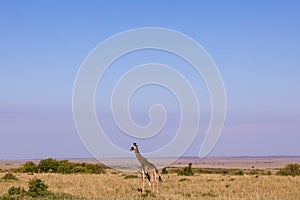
(114, 185)
(204, 186)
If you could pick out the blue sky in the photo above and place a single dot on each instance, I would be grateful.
(255, 45)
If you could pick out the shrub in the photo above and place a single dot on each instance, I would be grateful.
(130, 176)
(290, 170)
(65, 167)
(214, 171)
(48, 165)
(183, 179)
(29, 167)
(16, 191)
(9, 176)
(164, 171)
(90, 168)
(240, 172)
(61, 166)
(269, 173)
(37, 187)
(187, 171)
(79, 169)
(95, 168)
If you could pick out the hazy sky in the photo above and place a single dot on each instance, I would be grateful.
(255, 44)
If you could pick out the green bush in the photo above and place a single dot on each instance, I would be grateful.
(187, 171)
(66, 167)
(29, 167)
(214, 171)
(16, 191)
(164, 171)
(48, 165)
(9, 176)
(79, 169)
(94, 168)
(37, 187)
(239, 172)
(61, 166)
(290, 170)
(130, 176)
(183, 179)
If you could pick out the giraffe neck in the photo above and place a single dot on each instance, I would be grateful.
(140, 158)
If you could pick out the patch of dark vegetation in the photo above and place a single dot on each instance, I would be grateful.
(52, 196)
(183, 179)
(211, 171)
(9, 177)
(16, 191)
(188, 195)
(259, 172)
(37, 189)
(230, 171)
(239, 172)
(164, 171)
(187, 171)
(208, 194)
(130, 176)
(290, 170)
(29, 167)
(61, 166)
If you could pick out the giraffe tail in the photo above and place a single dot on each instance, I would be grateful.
(159, 178)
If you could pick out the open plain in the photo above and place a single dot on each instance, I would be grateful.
(118, 185)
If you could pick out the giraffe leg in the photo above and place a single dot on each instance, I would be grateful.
(143, 183)
(150, 185)
(156, 180)
(153, 181)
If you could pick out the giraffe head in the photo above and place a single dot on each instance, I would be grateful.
(134, 146)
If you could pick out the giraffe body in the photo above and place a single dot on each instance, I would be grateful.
(148, 170)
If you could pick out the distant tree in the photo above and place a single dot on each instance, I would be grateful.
(164, 171)
(61, 166)
(187, 171)
(29, 167)
(290, 170)
(48, 164)
(65, 167)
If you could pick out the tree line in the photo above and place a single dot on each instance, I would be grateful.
(51, 165)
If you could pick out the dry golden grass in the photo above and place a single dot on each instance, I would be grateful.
(212, 186)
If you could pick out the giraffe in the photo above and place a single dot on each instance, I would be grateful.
(148, 170)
